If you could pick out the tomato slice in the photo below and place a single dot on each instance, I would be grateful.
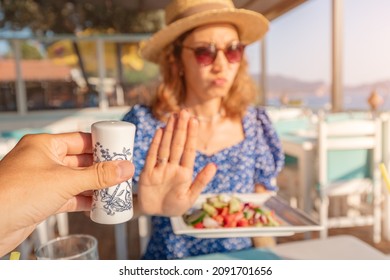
(243, 223)
(199, 225)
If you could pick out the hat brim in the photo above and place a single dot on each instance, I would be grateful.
(251, 27)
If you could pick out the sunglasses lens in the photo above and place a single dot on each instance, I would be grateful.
(205, 55)
(234, 53)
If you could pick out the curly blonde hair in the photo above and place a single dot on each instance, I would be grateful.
(171, 91)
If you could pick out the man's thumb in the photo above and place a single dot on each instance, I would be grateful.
(108, 173)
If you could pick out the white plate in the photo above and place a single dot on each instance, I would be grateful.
(293, 220)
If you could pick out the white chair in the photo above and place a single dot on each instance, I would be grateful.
(282, 113)
(340, 177)
(386, 160)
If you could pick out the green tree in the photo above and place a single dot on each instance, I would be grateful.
(28, 52)
(71, 16)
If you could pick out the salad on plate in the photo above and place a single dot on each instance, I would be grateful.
(226, 211)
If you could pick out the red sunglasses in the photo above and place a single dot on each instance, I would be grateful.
(206, 55)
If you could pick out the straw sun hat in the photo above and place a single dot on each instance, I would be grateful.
(184, 15)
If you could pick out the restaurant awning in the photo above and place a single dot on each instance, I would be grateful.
(271, 9)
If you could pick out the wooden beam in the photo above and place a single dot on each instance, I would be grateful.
(273, 8)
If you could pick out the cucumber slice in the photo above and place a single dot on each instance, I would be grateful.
(219, 204)
(234, 205)
(259, 210)
(195, 217)
(209, 209)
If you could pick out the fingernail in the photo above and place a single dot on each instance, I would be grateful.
(125, 169)
(194, 119)
(172, 117)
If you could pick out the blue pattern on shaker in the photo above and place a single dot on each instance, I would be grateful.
(112, 199)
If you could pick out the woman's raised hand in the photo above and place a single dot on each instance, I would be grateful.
(166, 185)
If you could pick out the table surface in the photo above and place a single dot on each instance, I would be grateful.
(341, 247)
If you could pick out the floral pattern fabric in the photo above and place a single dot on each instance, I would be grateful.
(256, 159)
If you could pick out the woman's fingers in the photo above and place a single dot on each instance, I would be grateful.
(202, 179)
(179, 137)
(151, 158)
(175, 141)
(189, 153)
(165, 145)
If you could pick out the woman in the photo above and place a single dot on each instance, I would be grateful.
(201, 55)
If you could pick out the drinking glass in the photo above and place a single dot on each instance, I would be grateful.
(71, 247)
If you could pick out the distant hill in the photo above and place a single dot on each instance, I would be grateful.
(279, 85)
(380, 86)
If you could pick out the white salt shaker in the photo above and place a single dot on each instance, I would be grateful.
(113, 140)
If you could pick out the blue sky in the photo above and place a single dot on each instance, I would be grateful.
(298, 43)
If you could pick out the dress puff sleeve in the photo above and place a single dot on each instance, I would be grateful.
(269, 153)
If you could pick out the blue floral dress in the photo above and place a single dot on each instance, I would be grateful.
(256, 159)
